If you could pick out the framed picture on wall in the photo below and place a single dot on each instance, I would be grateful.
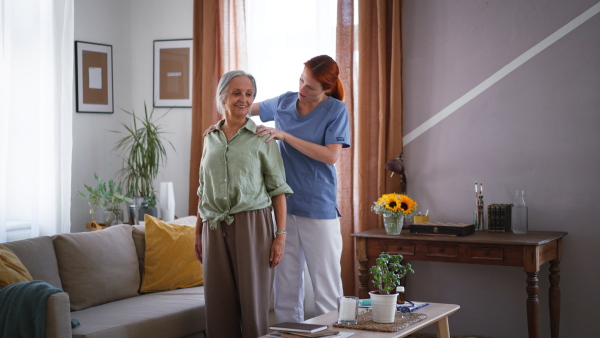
(173, 73)
(94, 81)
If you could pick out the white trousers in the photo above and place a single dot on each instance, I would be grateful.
(316, 243)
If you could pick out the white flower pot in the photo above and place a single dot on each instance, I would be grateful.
(383, 307)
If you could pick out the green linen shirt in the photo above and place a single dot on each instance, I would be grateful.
(240, 175)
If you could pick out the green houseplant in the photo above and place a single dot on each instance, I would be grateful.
(143, 151)
(387, 273)
(107, 195)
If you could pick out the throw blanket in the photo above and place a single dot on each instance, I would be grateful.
(23, 309)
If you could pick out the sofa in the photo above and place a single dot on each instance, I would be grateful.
(103, 275)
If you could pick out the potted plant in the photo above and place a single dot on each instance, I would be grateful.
(143, 151)
(107, 195)
(387, 273)
(394, 208)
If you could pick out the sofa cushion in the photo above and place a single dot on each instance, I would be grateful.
(168, 314)
(37, 255)
(139, 237)
(11, 268)
(98, 267)
(170, 262)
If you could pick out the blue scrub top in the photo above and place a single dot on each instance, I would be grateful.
(314, 183)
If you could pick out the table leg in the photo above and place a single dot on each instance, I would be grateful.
(442, 328)
(363, 269)
(363, 279)
(554, 298)
(533, 305)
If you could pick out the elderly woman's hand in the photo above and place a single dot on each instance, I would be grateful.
(277, 249)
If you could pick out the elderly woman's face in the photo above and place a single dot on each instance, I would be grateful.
(239, 97)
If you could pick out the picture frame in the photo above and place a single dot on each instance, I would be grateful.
(172, 85)
(94, 78)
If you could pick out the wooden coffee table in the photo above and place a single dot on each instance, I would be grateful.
(437, 314)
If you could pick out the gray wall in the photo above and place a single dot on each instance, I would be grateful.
(534, 129)
(130, 27)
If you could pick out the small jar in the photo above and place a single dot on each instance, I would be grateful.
(401, 297)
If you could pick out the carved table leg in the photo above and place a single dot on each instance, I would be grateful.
(363, 269)
(554, 298)
(363, 279)
(533, 305)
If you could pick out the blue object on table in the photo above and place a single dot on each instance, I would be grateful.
(409, 306)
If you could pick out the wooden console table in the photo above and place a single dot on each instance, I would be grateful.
(529, 251)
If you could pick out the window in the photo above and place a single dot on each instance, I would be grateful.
(36, 105)
(281, 36)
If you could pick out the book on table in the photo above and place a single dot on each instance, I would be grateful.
(298, 327)
(318, 334)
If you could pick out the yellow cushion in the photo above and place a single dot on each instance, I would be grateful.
(11, 268)
(170, 262)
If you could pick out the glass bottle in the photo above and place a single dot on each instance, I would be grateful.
(519, 213)
(401, 296)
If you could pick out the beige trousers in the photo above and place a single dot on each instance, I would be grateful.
(237, 277)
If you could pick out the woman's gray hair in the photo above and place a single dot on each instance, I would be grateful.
(223, 86)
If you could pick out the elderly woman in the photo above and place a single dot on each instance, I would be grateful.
(242, 181)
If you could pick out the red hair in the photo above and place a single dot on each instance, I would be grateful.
(325, 70)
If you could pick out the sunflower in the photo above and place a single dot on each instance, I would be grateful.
(407, 205)
(394, 204)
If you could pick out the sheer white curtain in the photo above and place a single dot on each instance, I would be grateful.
(36, 107)
(282, 35)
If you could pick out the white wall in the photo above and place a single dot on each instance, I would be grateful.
(535, 129)
(130, 27)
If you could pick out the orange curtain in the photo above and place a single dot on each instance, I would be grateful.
(344, 57)
(219, 46)
(379, 113)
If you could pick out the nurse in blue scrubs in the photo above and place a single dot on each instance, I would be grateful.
(312, 128)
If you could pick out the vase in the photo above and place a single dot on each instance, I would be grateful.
(519, 213)
(393, 224)
(134, 210)
(383, 307)
(117, 217)
(113, 217)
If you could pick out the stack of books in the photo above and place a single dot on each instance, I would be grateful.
(499, 217)
(302, 330)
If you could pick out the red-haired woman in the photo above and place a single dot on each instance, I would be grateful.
(312, 126)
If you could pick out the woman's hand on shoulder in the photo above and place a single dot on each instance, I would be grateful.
(277, 134)
(211, 128)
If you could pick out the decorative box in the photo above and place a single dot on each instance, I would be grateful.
(439, 228)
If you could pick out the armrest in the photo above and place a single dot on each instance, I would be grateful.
(58, 316)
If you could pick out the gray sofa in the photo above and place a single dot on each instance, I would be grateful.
(100, 273)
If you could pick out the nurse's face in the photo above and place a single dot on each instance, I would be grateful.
(310, 89)
(239, 97)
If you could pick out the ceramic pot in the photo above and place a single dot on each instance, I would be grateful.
(383, 307)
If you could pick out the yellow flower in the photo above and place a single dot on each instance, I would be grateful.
(394, 204)
(407, 205)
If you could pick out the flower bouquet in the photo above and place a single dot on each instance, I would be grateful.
(394, 207)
